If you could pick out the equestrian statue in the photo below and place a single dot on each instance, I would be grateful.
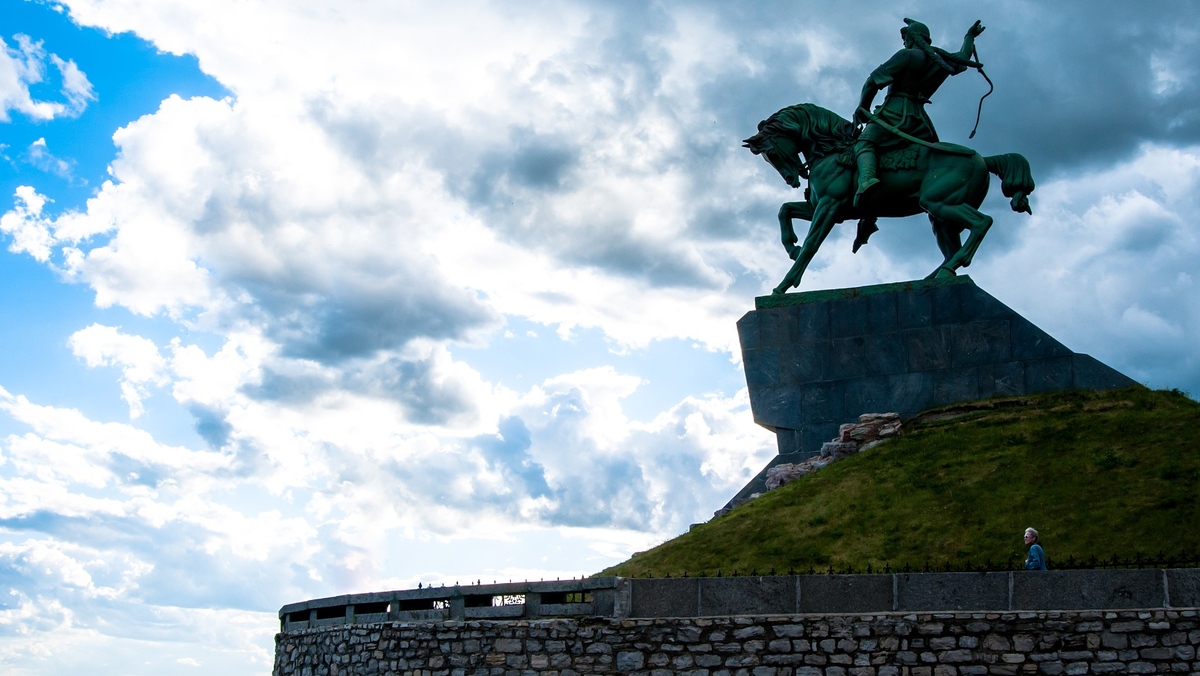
(891, 164)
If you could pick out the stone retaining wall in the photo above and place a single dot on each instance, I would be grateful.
(880, 644)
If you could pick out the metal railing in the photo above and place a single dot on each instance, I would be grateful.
(1138, 560)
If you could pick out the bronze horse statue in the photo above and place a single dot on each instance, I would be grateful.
(944, 180)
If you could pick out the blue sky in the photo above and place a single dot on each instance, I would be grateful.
(306, 298)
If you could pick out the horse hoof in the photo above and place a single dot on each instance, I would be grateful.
(944, 272)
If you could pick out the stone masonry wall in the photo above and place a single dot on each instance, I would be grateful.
(882, 644)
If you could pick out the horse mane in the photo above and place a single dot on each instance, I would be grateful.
(823, 131)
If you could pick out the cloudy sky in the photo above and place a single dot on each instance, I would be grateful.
(302, 297)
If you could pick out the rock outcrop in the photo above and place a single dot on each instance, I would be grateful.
(870, 430)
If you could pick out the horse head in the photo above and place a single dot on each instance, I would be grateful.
(801, 129)
(780, 151)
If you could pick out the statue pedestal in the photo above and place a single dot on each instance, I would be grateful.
(817, 359)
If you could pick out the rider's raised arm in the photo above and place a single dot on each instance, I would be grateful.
(968, 45)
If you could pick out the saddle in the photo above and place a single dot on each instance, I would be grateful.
(898, 158)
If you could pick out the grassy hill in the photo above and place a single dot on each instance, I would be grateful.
(1097, 473)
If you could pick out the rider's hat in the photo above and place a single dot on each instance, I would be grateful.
(916, 28)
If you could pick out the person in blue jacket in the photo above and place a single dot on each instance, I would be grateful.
(1036, 559)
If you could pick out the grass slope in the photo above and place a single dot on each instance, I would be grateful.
(1096, 473)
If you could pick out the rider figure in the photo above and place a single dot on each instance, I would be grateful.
(914, 74)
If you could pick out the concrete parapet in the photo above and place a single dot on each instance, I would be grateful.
(679, 597)
(846, 593)
(513, 600)
(953, 591)
(746, 595)
(1089, 590)
(760, 595)
(1183, 587)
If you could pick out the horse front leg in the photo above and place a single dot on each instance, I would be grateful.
(787, 233)
(823, 219)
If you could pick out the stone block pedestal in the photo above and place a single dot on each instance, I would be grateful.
(817, 359)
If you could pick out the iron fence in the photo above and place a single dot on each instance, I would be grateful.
(1136, 560)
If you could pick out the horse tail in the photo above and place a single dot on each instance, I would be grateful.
(1016, 180)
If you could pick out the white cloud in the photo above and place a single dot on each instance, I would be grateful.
(65, 445)
(251, 209)
(29, 230)
(75, 85)
(439, 55)
(25, 66)
(61, 562)
(141, 363)
(39, 155)
(43, 625)
(146, 526)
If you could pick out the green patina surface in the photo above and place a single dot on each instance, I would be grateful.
(826, 295)
(946, 181)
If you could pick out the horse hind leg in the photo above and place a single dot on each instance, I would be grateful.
(949, 238)
(960, 217)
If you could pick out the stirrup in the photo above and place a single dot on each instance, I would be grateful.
(864, 188)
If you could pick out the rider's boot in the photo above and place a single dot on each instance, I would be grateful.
(865, 154)
(866, 227)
